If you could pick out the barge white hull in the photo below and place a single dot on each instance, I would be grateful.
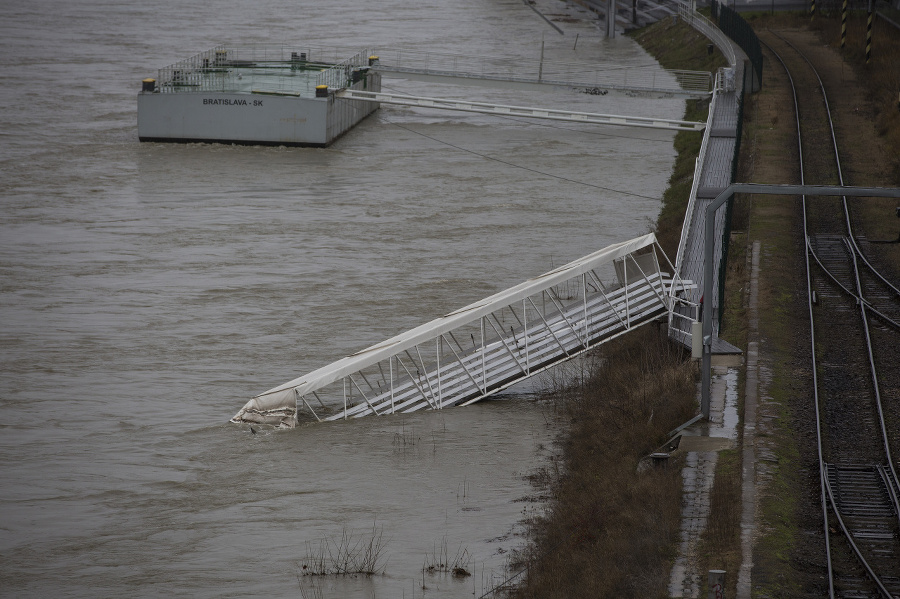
(251, 118)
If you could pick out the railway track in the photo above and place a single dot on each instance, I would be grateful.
(855, 323)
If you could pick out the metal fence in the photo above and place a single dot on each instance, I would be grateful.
(735, 27)
(709, 29)
(272, 68)
(341, 75)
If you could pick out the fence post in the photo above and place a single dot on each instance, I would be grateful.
(716, 584)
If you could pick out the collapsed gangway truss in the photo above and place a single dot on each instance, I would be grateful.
(474, 352)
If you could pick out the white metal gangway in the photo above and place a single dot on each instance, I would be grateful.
(518, 72)
(523, 111)
(474, 352)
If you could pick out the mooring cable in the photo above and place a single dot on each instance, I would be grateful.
(532, 170)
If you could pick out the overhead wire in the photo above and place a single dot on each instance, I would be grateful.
(519, 166)
(551, 126)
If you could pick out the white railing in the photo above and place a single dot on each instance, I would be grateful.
(340, 75)
(524, 111)
(588, 75)
(268, 68)
(698, 169)
(709, 29)
(681, 328)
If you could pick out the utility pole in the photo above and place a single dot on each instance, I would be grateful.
(610, 18)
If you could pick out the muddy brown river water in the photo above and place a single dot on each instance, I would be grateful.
(148, 290)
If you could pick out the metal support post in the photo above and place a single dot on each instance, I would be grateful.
(437, 352)
(710, 244)
(587, 330)
(483, 358)
(610, 18)
(869, 31)
(525, 332)
(844, 25)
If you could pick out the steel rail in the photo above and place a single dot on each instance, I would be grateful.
(835, 503)
(884, 317)
(826, 488)
(837, 160)
(856, 251)
(823, 483)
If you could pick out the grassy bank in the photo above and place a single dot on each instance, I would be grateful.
(678, 46)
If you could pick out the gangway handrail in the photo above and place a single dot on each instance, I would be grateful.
(523, 111)
(503, 361)
(709, 29)
(698, 169)
(508, 68)
(338, 75)
(448, 322)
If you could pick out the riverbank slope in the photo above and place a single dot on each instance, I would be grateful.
(611, 531)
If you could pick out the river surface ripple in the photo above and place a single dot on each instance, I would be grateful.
(148, 290)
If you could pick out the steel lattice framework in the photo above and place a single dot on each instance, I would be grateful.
(476, 351)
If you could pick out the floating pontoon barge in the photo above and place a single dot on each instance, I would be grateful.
(257, 94)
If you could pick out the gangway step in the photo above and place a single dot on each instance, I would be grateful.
(522, 111)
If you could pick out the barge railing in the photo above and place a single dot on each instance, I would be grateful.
(340, 75)
(268, 68)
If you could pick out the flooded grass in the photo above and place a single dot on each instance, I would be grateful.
(439, 561)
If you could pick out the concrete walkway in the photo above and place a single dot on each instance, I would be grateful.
(700, 444)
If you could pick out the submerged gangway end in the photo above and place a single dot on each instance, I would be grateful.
(483, 348)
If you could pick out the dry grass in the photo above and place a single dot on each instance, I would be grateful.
(866, 100)
(881, 75)
(610, 531)
(439, 561)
